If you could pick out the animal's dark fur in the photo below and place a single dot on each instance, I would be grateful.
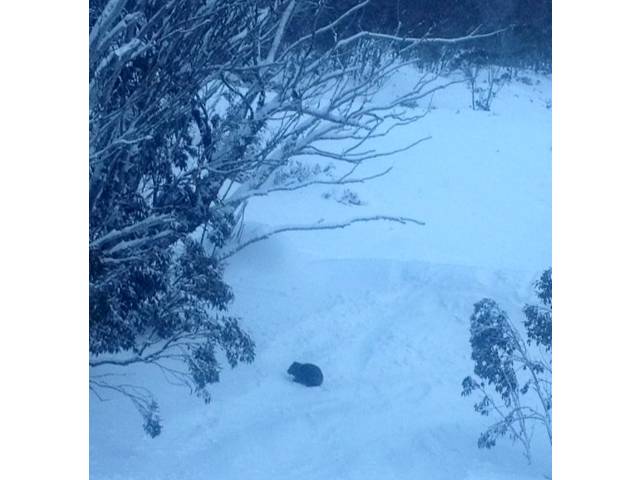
(306, 373)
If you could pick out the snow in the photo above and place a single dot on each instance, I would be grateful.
(382, 308)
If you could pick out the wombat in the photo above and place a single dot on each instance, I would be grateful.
(306, 373)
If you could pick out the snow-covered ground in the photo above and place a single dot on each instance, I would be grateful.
(382, 308)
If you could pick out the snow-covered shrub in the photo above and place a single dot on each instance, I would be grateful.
(485, 79)
(344, 196)
(349, 197)
(506, 365)
(297, 172)
(152, 424)
(525, 80)
(484, 92)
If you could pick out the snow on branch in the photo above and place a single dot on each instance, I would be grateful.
(317, 226)
(414, 41)
(362, 156)
(290, 188)
(474, 35)
(143, 226)
(328, 27)
(282, 25)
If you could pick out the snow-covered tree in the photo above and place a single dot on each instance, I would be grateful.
(511, 376)
(196, 107)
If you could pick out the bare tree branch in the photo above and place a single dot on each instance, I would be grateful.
(317, 226)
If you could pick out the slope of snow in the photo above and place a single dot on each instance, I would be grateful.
(382, 308)
(482, 184)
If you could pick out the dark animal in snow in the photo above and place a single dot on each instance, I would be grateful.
(306, 373)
